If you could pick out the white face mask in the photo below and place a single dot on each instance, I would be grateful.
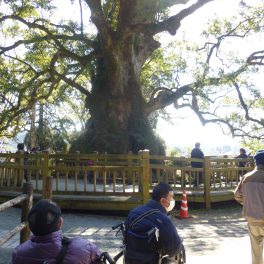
(171, 206)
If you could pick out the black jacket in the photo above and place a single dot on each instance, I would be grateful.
(197, 154)
(169, 240)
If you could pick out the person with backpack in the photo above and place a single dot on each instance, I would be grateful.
(150, 235)
(47, 245)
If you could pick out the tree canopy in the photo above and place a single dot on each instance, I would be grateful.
(124, 76)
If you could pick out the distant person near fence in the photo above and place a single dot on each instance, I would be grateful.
(241, 164)
(250, 193)
(197, 154)
(21, 149)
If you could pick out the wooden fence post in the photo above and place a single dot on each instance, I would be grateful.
(45, 171)
(26, 206)
(140, 163)
(21, 168)
(77, 172)
(207, 180)
(130, 172)
(78, 159)
(145, 176)
(47, 188)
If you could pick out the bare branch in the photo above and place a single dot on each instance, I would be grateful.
(230, 33)
(256, 58)
(164, 99)
(245, 107)
(171, 24)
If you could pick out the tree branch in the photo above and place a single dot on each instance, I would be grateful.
(49, 36)
(98, 18)
(11, 114)
(256, 58)
(245, 107)
(171, 24)
(72, 83)
(164, 99)
(230, 33)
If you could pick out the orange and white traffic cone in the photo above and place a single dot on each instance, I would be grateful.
(184, 206)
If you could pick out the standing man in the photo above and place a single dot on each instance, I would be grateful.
(152, 216)
(250, 193)
(21, 149)
(197, 154)
(242, 155)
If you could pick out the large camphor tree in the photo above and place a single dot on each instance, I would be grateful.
(43, 59)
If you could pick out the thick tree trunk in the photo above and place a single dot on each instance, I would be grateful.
(118, 120)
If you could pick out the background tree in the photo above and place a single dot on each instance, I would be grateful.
(53, 126)
(43, 58)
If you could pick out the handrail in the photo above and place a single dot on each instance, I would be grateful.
(13, 202)
(127, 174)
(12, 232)
(23, 228)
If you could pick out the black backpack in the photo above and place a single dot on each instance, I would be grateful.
(65, 244)
(142, 247)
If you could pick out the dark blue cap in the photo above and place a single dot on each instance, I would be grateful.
(259, 157)
(43, 218)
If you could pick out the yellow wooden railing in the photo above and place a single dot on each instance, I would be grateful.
(120, 175)
(26, 200)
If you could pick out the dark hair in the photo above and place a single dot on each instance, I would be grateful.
(43, 218)
(20, 146)
(161, 191)
(197, 145)
(243, 150)
(259, 157)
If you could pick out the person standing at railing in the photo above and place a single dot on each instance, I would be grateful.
(250, 193)
(197, 154)
(21, 149)
(47, 245)
(242, 155)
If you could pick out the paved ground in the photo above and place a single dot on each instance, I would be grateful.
(215, 236)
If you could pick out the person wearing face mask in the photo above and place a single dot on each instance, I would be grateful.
(153, 215)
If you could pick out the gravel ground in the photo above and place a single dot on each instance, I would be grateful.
(214, 236)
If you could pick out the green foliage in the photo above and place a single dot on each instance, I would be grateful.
(253, 145)
(57, 63)
(175, 152)
(52, 140)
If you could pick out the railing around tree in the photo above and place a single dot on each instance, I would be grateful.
(121, 175)
(26, 200)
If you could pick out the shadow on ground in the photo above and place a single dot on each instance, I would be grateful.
(204, 234)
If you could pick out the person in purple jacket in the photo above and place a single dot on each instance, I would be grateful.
(45, 245)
